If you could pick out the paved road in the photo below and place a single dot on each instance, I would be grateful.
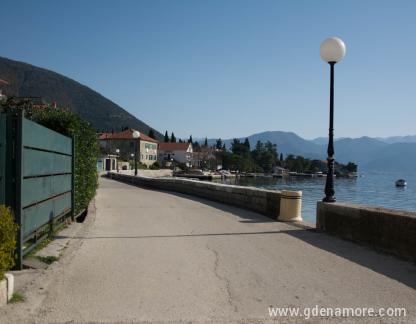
(155, 256)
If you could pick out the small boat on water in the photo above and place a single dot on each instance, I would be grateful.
(401, 183)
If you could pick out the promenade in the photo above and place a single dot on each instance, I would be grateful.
(147, 255)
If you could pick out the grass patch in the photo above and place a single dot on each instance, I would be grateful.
(17, 298)
(48, 259)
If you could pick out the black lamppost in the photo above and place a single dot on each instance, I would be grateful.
(118, 154)
(332, 51)
(136, 135)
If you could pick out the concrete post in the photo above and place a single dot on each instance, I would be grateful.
(290, 206)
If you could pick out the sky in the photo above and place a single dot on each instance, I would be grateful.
(225, 68)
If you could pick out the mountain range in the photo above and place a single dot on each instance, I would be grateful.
(26, 80)
(371, 154)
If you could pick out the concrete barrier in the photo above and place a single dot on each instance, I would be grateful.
(391, 231)
(266, 202)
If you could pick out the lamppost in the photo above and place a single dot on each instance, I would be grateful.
(118, 153)
(136, 135)
(332, 51)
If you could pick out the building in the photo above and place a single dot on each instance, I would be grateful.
(206, 158)
(178, 152)
(3, 83)
(122, 144)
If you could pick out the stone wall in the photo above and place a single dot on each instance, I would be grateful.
(266, 202)
(388, 230)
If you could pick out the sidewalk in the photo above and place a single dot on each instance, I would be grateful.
(155, 256)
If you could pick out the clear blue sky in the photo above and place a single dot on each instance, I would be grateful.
(229, 68)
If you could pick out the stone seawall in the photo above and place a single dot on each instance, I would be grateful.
(266, 202)
(391, 231)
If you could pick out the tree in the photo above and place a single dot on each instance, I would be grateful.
(351, 167)
(196, 145)
(190, 139)
(151, 133)
(172, 138)
(206, 142)
(166, 137)
(247, 144)
(239, 148)
(218, 146)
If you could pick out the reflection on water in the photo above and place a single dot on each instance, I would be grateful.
(374, 189)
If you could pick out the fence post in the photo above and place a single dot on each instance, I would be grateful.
(2, 158)
(73, 179)
(15, 157)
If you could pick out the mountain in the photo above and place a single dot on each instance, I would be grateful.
(26, 80)
(359, 150)
(369, 153)
(398, 139)
(287, 143)
(394, 157)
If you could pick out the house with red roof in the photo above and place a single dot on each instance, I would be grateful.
(122, 144)
(178, 152)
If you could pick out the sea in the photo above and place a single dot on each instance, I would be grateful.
(369, 188)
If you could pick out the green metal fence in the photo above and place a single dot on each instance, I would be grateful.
(36, 178)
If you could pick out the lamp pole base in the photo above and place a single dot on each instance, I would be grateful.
(329, 199)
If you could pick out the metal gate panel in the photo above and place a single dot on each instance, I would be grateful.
(36, 177)
(2, 158)
(42, 188)
(42, 163)
(37, 136)
(35, 216)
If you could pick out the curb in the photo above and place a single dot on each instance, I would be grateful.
(6, 289)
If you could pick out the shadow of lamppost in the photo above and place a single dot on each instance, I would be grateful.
(332, 51)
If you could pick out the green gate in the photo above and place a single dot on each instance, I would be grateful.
(36, 167)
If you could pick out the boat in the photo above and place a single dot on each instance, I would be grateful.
(401, 183)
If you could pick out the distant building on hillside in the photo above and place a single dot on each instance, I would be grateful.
(178, 152)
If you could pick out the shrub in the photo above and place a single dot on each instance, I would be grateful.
(8, 232)
(155, 166)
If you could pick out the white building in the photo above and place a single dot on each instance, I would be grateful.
(179, 152)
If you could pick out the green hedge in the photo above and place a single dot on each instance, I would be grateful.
(86, 144)
(8, 233)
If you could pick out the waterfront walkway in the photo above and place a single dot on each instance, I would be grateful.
(147, 255)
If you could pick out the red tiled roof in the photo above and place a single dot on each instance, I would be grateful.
(163, 146)
(125, 135)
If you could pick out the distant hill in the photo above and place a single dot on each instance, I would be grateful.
(398, 139)
(393, 157)
(369, 153)
(30, 81)
(287, 143)
(361, 150)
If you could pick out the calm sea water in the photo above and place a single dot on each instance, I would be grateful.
(374, 189)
